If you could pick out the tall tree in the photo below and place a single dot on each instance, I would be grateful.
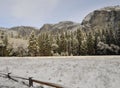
(69, 36)
(33, 48)
(3, 44)
(112, 36)
(45, 45)
(118, 35)
(63, 43)
(90, 44)
(80, 39)
(84, 47)
(74, 44)
(96, 41)
(108, 37)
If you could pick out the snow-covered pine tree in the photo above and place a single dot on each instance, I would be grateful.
(45, 46)
(80, 39)
(63, 43)
(74, 44)
(118, 36)
(3, 44)
(33, 48)
(84, 45)
(96, 41)
(90, 44)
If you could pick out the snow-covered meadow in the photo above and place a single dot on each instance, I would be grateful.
(71, 72)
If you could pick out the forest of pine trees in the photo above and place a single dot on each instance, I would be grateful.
(67, 43)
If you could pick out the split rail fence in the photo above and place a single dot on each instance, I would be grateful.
(30, 80)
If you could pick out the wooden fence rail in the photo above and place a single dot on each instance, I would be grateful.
(30, 80)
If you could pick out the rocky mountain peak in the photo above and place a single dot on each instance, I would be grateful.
(111, 8)
(61, 26)
(22, 30)
(104, 18)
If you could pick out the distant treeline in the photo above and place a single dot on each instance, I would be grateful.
(66, 43)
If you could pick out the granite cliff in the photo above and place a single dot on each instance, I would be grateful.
(104, 18)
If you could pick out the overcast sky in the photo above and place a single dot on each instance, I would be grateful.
(38, 12)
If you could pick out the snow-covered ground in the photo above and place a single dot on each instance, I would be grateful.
(18, 42)
(71, 72)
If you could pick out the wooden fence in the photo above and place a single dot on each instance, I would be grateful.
(30, 80)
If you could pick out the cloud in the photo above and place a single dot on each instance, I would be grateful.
(30, 9)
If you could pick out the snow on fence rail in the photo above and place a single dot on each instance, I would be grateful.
(30, 80)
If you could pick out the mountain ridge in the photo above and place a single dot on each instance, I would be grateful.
(61, 26)
(103, 18)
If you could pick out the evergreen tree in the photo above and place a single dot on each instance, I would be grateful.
(108, 38)
(112, 36)
(74, 44)
(84, 47)
(45, 45)
(5, 41)
(58, 43)
(102, 37)
(118, 36)
(3, 44)
(80, 39)
(105, 49)
(69, 42)
(63, 43)
(33, 48)
(54, 48)
(96, 40)
(90, 44)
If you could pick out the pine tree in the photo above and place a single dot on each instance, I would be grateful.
(63, 43)
(118, 35)
(84, 47)
(108, 38)
(54, 48)
(74, 45)
(33, 48)
(3, 44)
(96, 41)
(58, 43)
(112, 36)
(5, 40)
(102, 37)
(45, 45)
(80, 39)
(90, 44)
(69, 42)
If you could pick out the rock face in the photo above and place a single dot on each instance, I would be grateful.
(105, 18)
(22, 30)
(3, 29)
(46, 27)
(61, 26)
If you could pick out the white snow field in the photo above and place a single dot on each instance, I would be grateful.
(71, 72)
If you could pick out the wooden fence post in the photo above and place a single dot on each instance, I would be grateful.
(8, 75)
(30, 82)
